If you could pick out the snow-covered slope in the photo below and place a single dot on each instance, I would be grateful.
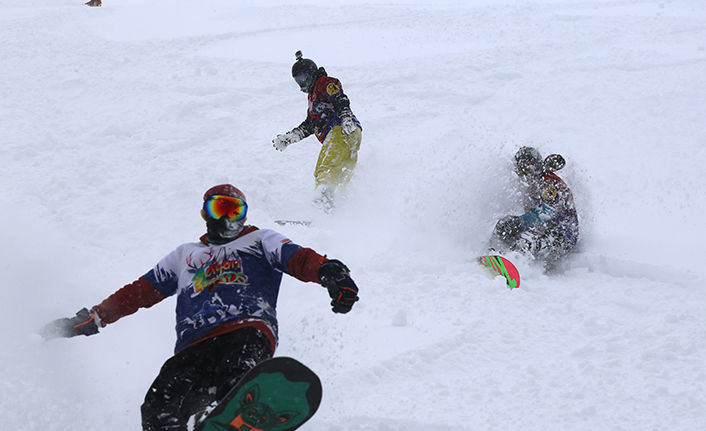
(115, 121)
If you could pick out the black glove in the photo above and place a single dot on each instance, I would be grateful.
(84, 323)
(508, 228)
(335, 277)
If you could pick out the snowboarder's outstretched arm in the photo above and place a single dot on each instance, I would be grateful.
(84, 323)
(335, 277)
(126, 301)
(305, 129)
(309, 266)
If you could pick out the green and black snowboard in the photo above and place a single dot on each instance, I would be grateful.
(279, 394)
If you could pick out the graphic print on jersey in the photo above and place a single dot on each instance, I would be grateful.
(219, 267)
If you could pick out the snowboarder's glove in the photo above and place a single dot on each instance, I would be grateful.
(282, 141)
(335, 277)
(84, 323)
(348, 125)
(508, 228)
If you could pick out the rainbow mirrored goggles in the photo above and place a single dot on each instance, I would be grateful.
(219, 206)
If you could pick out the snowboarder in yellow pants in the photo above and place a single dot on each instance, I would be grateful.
(329, 117)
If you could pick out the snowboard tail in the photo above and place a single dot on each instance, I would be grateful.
(293, 222)
(279, 394)
(498, 265)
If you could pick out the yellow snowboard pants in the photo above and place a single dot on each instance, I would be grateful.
(338, 157)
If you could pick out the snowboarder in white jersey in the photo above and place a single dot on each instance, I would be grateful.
(226, 286)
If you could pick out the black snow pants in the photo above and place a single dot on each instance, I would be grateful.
(199, 375)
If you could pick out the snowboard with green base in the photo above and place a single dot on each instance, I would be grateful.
(279, 394)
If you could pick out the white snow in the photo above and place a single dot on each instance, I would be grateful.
(115, 120)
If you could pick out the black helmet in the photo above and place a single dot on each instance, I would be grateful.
(528, 161)
(304, 72)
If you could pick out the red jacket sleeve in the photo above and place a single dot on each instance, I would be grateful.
(304, 265)
(126, 301)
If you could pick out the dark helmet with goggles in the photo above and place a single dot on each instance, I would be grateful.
(528, 162)
(304, 72)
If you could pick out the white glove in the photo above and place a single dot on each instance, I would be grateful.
(347, 125)
(282, 141)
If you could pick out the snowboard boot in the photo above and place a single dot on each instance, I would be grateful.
(324, 199)
(94, 3)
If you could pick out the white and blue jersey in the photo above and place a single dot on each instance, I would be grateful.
(217, 284)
